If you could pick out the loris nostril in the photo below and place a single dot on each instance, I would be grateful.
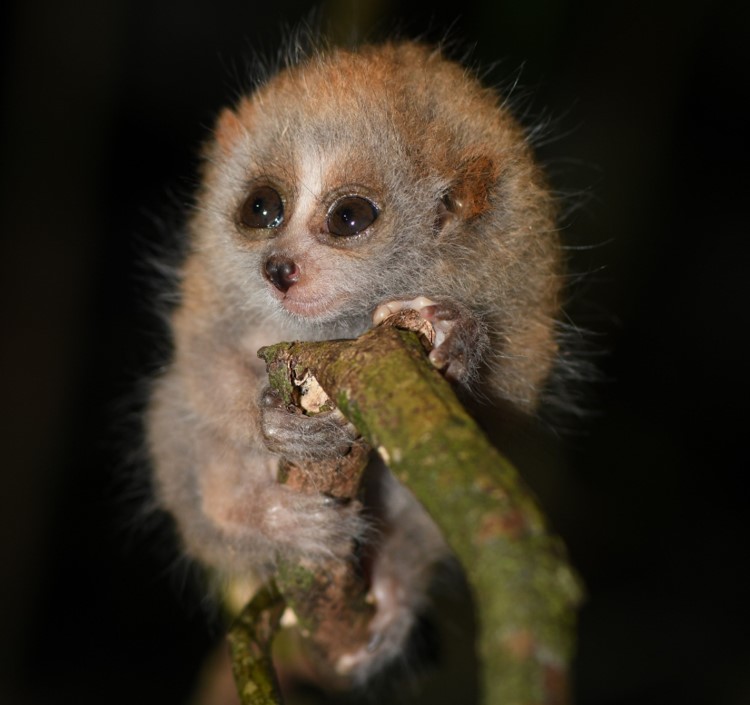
(282, 272)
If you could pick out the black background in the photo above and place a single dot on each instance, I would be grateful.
(104, 105)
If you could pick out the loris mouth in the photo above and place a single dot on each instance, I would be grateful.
(314, 307)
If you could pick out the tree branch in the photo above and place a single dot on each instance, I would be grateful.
(525, 592)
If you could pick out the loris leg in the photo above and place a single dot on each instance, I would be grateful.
(231, 510)
(410, 547)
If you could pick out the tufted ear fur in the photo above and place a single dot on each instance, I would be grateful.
(469, 193)
(231, 125)
(228, 129)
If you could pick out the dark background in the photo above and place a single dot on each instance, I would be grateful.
(104, 105)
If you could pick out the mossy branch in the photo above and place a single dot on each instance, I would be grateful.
(525, 592)
(250, 639)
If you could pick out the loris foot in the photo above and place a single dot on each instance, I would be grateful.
(389, 631)
(460, 338)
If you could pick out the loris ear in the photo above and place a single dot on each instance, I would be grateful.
(232, 124)
(469, 193)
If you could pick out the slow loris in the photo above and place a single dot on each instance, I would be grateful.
(351, 183)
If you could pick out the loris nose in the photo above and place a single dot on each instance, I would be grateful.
(281, 271)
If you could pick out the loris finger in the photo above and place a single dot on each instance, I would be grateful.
(459, 338)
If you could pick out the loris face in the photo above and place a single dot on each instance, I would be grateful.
(315, 230)
(296, 276)
(308, 208)
(330, 190)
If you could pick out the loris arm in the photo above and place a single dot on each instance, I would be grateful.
(216, 474)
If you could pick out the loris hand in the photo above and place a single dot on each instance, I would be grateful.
(460, 340)
(300, 437)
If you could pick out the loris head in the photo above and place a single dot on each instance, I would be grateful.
(383, 173)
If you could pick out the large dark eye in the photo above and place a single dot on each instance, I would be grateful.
(263, 208)
(351, 215)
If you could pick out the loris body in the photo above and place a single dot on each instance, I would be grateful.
(349, 181)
